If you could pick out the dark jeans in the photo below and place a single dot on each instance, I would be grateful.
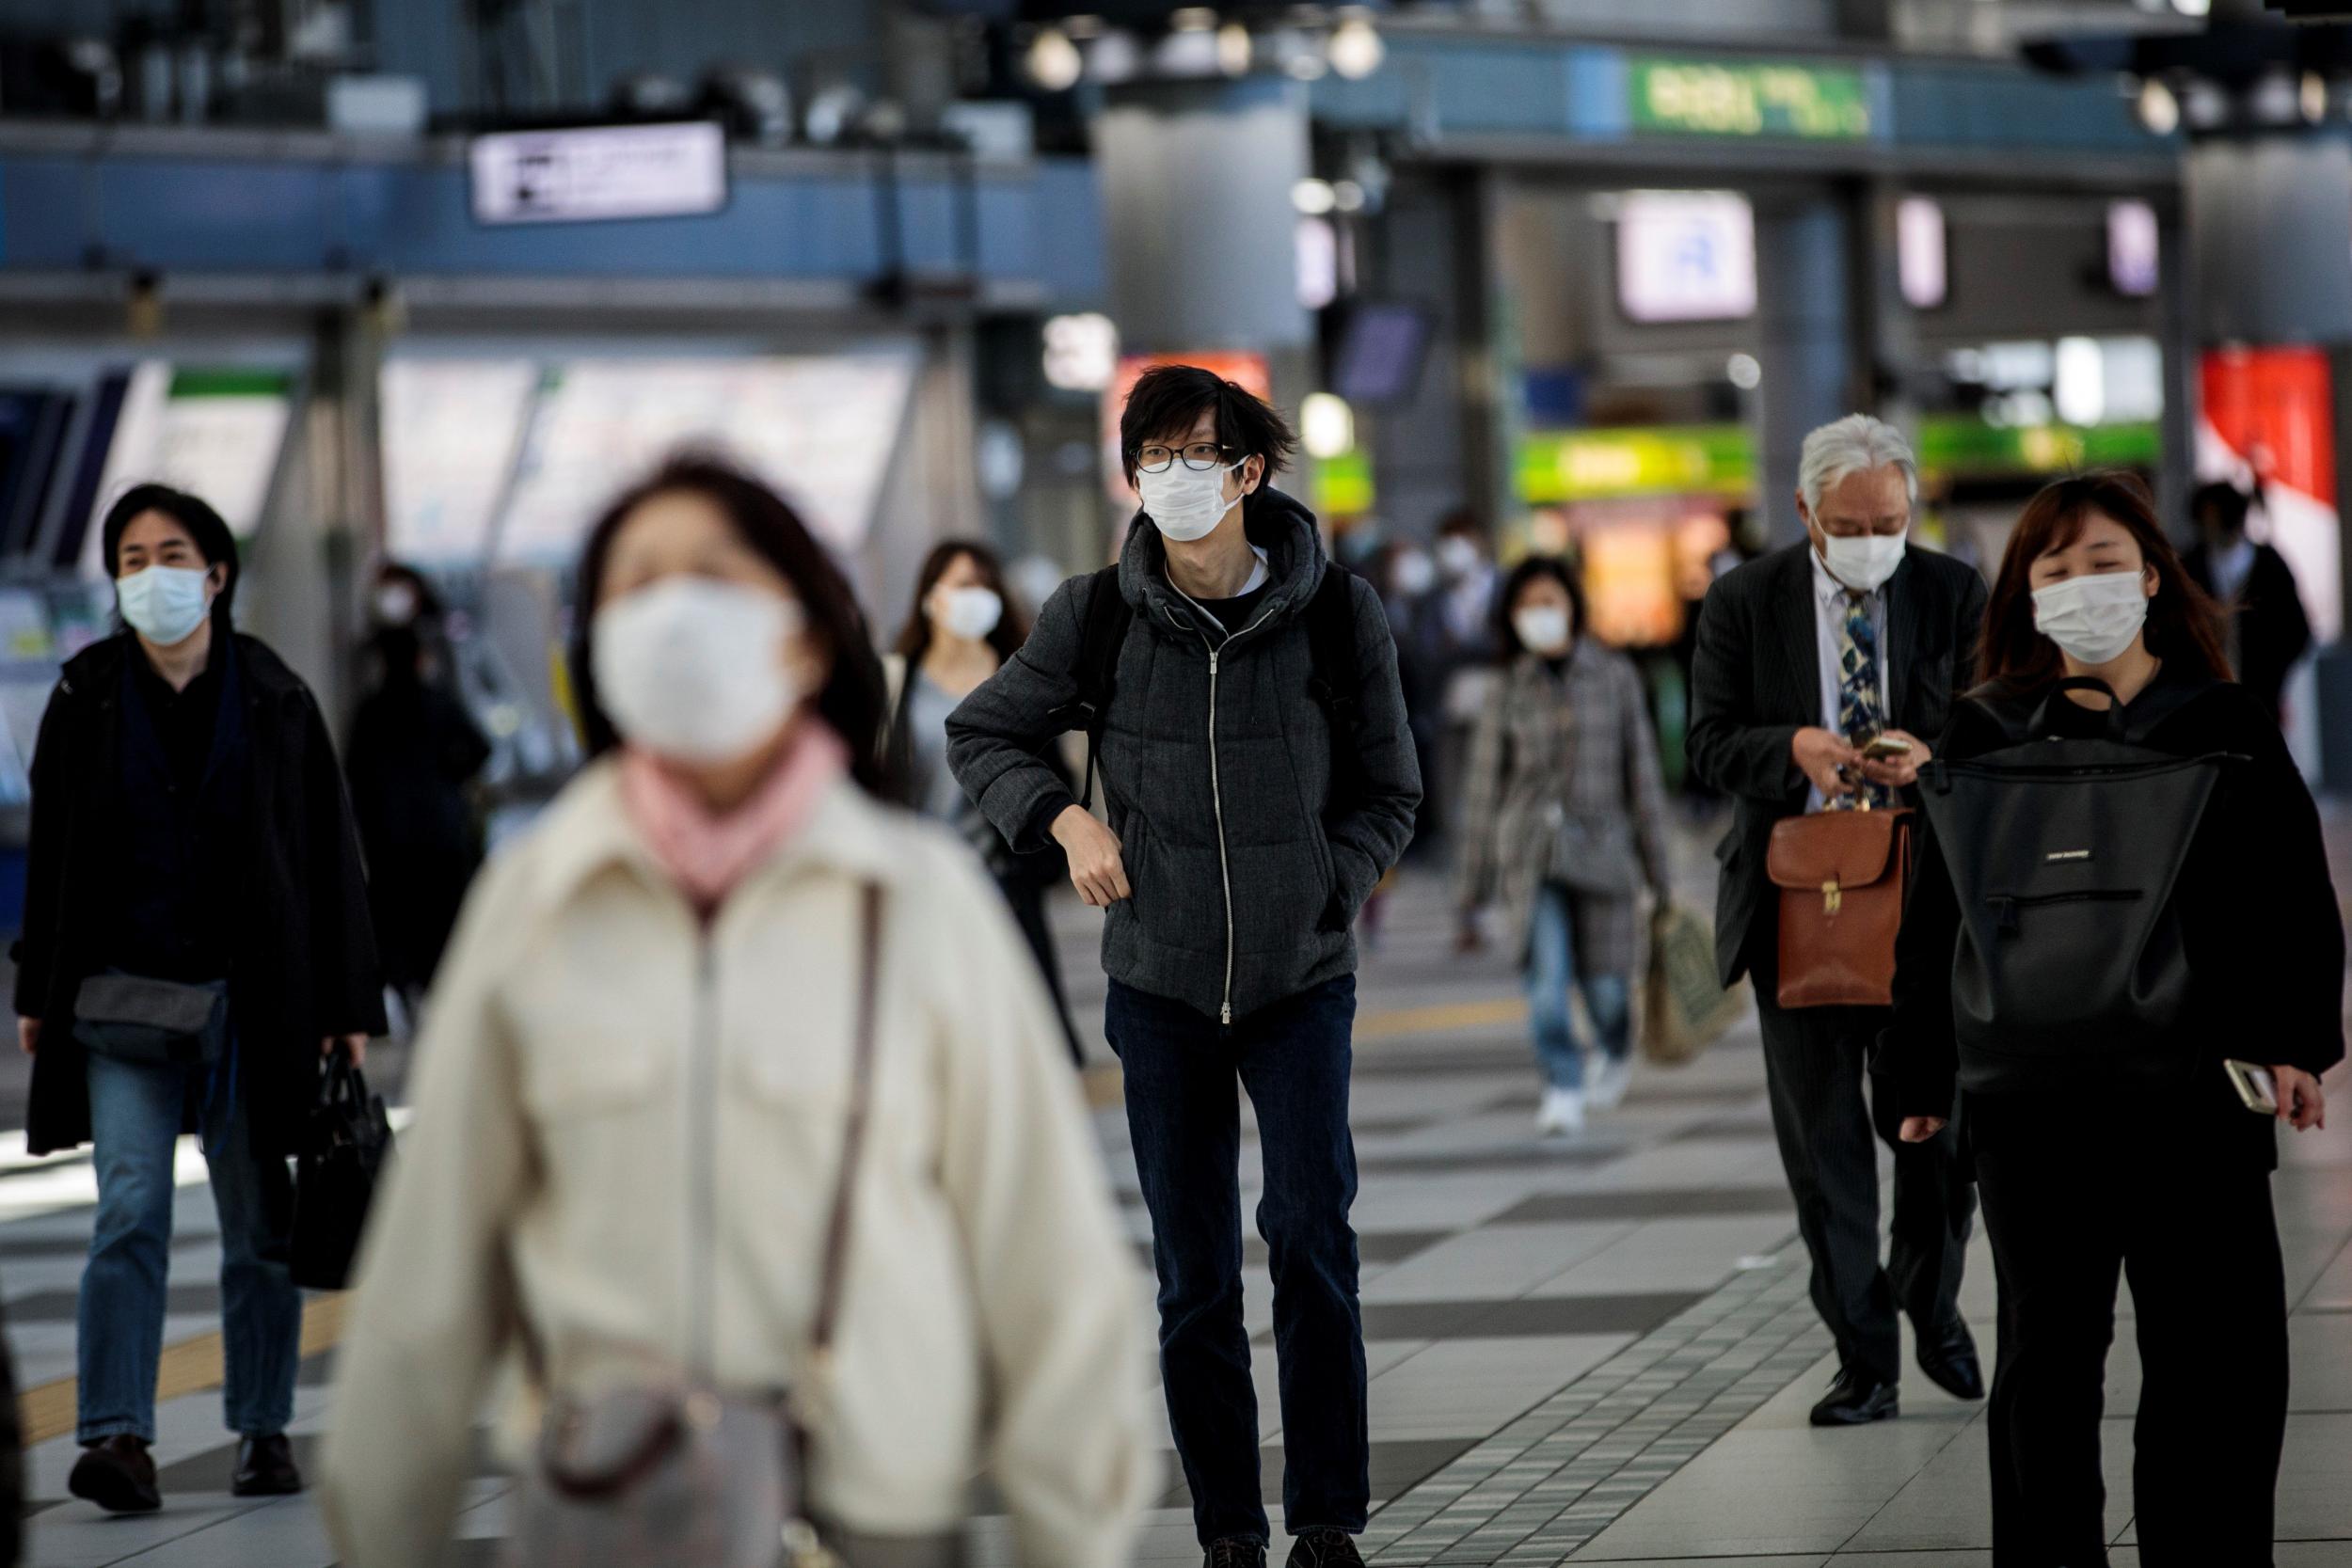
(1816, 1062)
(2066, 1215)
(1185, 1121)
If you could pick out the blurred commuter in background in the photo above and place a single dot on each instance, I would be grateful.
(195, 938)
(2266, 630)
(641, 1073)
(1407, 576)
(2106, 1135)
(961, 630)
(1563, 821)
(1260, 781)
(1805, 656)
(414, 751)
(1455, 644)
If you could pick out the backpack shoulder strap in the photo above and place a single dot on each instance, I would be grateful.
(1331, 639)
(1101, 636)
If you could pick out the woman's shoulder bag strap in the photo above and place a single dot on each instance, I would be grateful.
(853, 1135)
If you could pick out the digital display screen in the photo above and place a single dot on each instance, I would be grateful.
(1686, 255)
(1380, 352)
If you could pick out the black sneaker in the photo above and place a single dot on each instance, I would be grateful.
(1856, 1399)
(119, 1475)
(1234, 1551)
(265, 1468)
(1326, 1548)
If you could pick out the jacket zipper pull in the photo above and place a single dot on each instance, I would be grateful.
(1226, 1017)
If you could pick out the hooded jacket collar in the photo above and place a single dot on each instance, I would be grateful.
(1273, 521)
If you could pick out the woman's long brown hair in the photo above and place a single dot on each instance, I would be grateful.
(2184, 623)
(1012, 629)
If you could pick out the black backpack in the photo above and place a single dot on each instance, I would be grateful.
(1331, 648)
(2065, 855)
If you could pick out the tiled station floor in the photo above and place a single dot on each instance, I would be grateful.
(1596, 1350)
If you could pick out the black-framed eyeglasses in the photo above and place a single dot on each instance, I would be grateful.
(1200, 458)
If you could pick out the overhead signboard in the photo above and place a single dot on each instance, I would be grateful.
(1556, 466)
(1739, 98)
(598, 172)
(1686, 255)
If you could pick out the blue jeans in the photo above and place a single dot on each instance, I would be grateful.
(1551, 971)
(135, 1111)
(1184, 1115)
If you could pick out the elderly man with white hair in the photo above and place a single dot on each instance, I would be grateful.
(1805, 657)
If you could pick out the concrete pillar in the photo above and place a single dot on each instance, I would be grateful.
(1806, 337)
(1203, 235)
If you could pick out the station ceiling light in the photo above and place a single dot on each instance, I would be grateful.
(1355, 49)
(1054, 62)
(2193, 8)
(1314, 197)
(2158, 109)
(2314, 96)
(1234, 50)
(1744, 372)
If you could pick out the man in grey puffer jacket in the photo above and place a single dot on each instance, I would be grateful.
(1231, 872)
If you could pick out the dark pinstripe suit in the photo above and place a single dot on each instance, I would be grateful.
(1755, 682)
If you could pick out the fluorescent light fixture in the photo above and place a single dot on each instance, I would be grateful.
(2159, 111)
(1318, 247)
(1743, 372)
(2081, 388)
(1920, 260)
(1327, 426)
(2135, 248)
(1314, 197)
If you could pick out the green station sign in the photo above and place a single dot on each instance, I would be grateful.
(1963, 445)
(1741, 98)
(1599, 464)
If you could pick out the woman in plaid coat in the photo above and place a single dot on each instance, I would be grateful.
(1564, 822)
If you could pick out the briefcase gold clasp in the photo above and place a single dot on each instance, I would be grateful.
(1833, 899)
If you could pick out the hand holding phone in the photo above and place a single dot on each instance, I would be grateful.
(1887, 748)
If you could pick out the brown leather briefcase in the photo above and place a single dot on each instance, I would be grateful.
(1843, 876)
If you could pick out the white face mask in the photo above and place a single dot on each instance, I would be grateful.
(693, 669)
(2092, 619)
(1458, 556)
(1416, 574)
(1542, 629)
(164, 604)
(1866, 563)
(395, 604)
(1184, 503)
(969, 613)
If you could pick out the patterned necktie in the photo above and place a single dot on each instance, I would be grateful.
(1860, 713)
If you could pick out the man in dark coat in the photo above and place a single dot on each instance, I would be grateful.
(1235, 863)
(2268, 630)
(190, 831)
(1805, 656)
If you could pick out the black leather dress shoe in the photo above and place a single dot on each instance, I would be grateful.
(1856, 1399)
(1235, 1551)
(1950, 1363)
(265, 1468)
(1326, 1548)
(119, 1475)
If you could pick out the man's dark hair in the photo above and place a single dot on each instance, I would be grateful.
(214, 542)
(1168, 400)
(2223, 503)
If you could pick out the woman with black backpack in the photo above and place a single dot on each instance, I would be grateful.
(2122, 889)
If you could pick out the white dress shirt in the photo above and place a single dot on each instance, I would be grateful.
(1829, 627)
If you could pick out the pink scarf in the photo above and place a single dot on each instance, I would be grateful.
(709, 856)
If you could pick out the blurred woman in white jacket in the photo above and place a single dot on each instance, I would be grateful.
(631, 1098)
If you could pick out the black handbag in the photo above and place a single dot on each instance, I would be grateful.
(156, 1022)
(341, 1157)
(2065, 855)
